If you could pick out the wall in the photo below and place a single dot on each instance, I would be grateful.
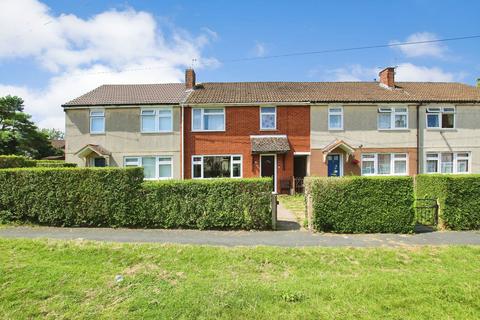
(241, 122)
(465, 136)
(122, 136)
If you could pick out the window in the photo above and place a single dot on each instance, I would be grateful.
(208, 119)
(447, 162)
(154, 168)
(335, 118)
(384, 164)
(97, 121)
(441, 118)
(217, 166)
(392, 118)
(156, 120)
(268, 118)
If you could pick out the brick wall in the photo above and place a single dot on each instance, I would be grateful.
(240, 124)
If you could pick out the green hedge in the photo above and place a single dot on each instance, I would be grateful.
(458, 197)
(362, 204)
(24, 162)
(207, 204)
(70, 196)
(117, 197)
(54, 164)
(16, 162)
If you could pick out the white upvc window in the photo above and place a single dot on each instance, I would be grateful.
(393, 118)
(447, 162)
(97, 121)
(335, 118)
(384, 164)
(440, 118)
(154, 167)
(208, 119)
(218, 166)
(268, 118)
(156, 120)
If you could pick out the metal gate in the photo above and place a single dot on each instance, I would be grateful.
(426, 211)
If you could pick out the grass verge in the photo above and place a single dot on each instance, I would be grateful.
(76, 280)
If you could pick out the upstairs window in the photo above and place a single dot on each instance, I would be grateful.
(384, 164)
(208, 119)
(217, 166)
(268, 118)
(392, 118)
(97, 121)
(335, 118)
(156, 120)
(441, 118)
(448, 162)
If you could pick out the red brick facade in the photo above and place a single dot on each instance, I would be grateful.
(240, 124)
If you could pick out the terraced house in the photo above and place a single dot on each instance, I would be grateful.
(287, 130)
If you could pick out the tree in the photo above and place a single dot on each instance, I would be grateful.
(53, 134)
(18, 134)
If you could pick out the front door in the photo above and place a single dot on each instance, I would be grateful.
(333, 162)
(267, 167)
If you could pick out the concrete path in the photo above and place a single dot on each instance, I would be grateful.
(286, 220)
(245, 238)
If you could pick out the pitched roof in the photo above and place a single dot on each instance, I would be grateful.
(132, 94)
(255, 92)
(277, 144)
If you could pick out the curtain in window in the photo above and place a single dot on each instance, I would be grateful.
(384, 163)
(213, 122)
(384, 120)
(447, 162)
(335, 121)
(148, 164)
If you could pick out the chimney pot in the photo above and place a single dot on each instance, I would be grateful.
(387, 77)
(189, 79)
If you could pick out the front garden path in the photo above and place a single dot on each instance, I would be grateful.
(245, 238)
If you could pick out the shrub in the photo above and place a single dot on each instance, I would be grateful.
(54, 164)
(207, 204)
(15, 162)
(458, 197)
(362, 204)
(70, 196)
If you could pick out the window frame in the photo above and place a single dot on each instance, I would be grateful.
(139, 163)
(336, 113)
(201, 163)
(202, 119)
(91, 117)
(268, 113)
(393, 159)
(441, 111)
(157, 116)
(456, 158)
(393, 112)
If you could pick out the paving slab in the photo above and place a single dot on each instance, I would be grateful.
(246, 238)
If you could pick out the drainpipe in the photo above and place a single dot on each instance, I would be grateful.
(418, 136)
(182, 143)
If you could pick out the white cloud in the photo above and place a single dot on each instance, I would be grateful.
(260, 49)
(411, 72)
(404, 72)
(125, 46)
(434, 49)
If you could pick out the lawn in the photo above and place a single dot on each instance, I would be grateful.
(296, 204)
(75, 280)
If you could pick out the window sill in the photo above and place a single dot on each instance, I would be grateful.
(98, 133)
(393, 130)
(269, 129)
(442, 129)
(156, 132)
(336, 129)
(200, 131)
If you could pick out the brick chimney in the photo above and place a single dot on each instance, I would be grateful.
(387, 77)
(189, 79)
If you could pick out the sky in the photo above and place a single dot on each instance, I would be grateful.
(53, 51)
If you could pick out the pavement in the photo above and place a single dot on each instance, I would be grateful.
(291, 238)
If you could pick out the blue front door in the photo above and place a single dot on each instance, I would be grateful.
(333, 162)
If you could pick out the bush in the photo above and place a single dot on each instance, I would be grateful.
(117, 197)
(70, 196)
(207, 204)
(15, 162)
(54, 164)
(458, 197)
(362, 204)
